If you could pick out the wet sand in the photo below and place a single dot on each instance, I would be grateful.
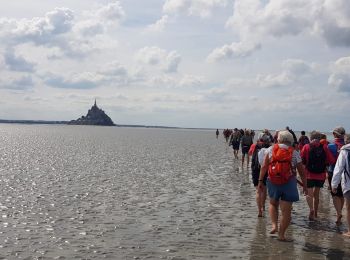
(74, 192)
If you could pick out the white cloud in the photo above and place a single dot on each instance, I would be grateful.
(113, 12)
(293, 70)
(42, 30)
(234, 50)
(166, 81)
(333, 22)
(172, 61)
(159, 25)
(89, 28)
(97, 49)
(274, 81)
(157, 57)
(190, 81)
(255, 21)
(202, 8)
(114, 69)
(296, 67)
(340, 78)
(72, 35)
(111, 74)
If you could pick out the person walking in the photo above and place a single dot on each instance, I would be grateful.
(303, 140)
(258, 155)
(235, 141)
(315, 157)
(246, 142)
(341, 174)
(281, 163)
(334, 148)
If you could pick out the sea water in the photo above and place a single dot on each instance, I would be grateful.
(86, 192)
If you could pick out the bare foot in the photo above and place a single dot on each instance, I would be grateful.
(273, 231)
(338, 222)
(283, 239)
(312, 215)
(346, 234)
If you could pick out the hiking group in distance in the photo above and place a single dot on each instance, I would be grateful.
(276, 161)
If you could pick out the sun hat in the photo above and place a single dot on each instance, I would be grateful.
(339, 130)
(264, 138)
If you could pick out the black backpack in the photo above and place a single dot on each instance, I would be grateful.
(317, 159)
(255, 166)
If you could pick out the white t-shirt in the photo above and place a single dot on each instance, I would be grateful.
(295, 157)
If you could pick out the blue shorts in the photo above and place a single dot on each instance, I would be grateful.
(286, 192)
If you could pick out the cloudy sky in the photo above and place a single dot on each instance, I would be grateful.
(188, 63)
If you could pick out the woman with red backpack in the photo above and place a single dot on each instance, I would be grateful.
(281, 162)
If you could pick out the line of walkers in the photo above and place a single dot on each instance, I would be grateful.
(243, 138)
(276, 162)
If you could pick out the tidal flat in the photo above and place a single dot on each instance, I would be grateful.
(85, 192)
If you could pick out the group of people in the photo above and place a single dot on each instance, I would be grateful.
(276, 161)
(241, 138)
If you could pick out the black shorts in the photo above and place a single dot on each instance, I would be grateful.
(339, 192)
(235, 145)
(315, 183)
(245, 149)
(255, 178)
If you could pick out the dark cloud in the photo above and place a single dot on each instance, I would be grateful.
(340, 81)
(61, 82)
(21, 83)
(337, 36)
(17, 63)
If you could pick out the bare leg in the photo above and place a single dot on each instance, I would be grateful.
(316, 199)
(286, 209)
(347, 217)
(258, 201)
(263, 196)
(338, 203)
(310, 203)
(273, 210)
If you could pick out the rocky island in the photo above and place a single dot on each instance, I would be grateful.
(95, 116)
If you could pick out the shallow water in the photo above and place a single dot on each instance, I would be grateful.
(80, 192)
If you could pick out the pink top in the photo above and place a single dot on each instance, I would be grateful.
(305, 157)
(251, 149)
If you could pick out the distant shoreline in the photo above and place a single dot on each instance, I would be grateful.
(44, 122)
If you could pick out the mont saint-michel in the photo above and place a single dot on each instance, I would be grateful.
(95, 116)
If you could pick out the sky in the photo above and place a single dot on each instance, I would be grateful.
(186, 63)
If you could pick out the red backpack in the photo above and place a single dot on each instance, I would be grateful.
(280, 168)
